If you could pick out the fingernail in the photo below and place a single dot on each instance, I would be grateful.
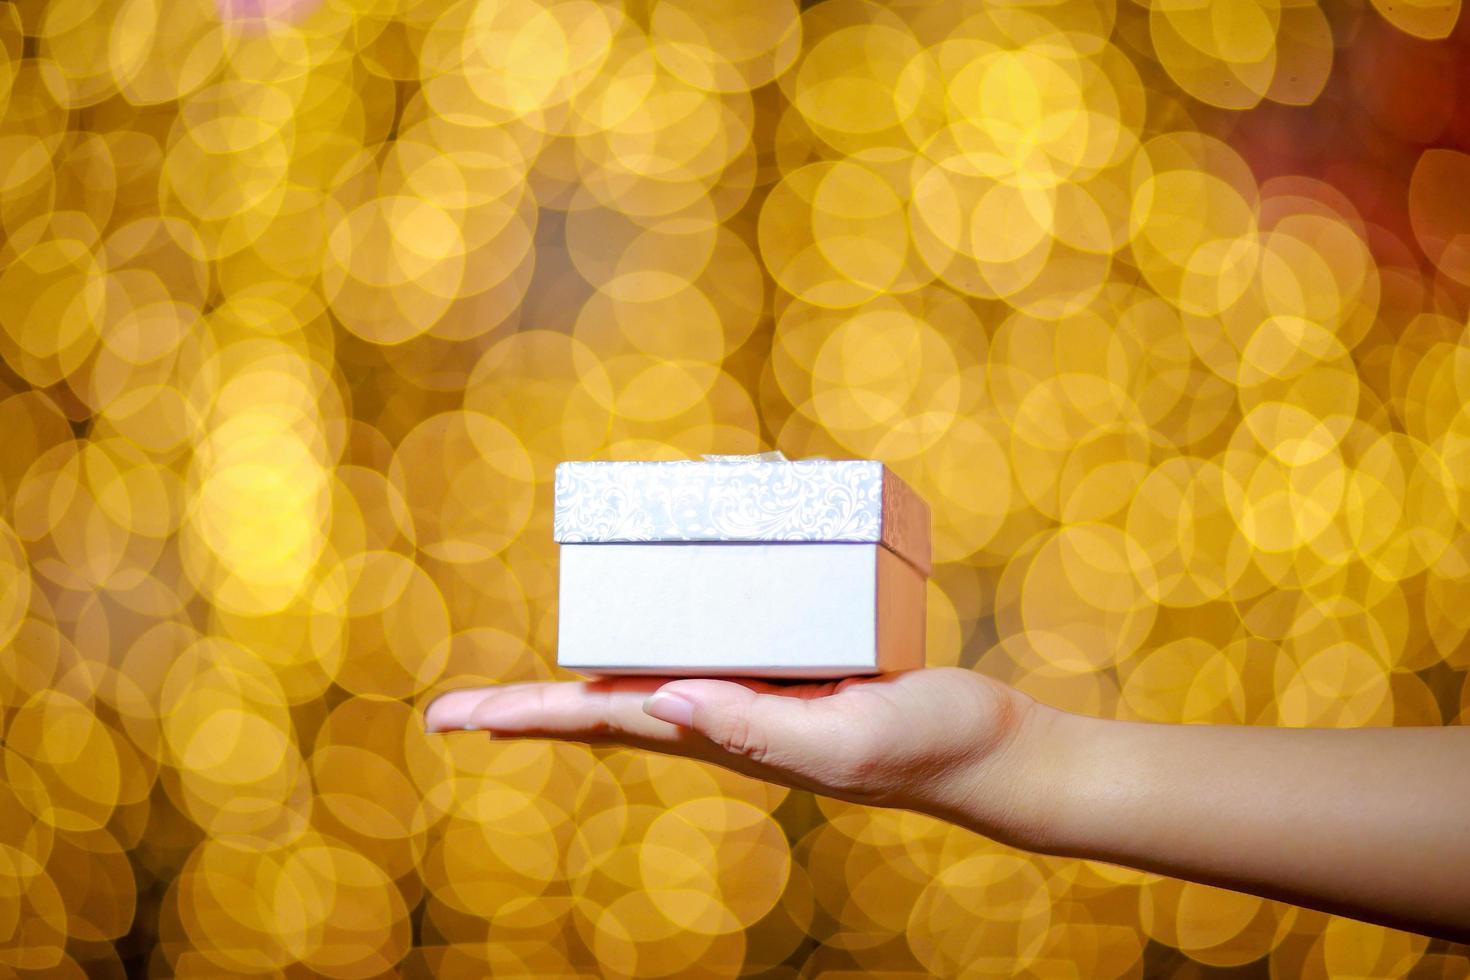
(670, 707)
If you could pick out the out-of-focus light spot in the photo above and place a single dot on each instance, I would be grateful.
(302, 301)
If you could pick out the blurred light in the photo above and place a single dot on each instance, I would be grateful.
(301, 302)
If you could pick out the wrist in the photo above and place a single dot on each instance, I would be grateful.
(1022, 792)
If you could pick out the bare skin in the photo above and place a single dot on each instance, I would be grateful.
(1372, 823)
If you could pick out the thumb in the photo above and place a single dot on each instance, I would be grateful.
(773, 729)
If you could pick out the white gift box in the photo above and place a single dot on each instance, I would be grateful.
(740, 566)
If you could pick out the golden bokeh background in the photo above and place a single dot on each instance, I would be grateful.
(1161, 304)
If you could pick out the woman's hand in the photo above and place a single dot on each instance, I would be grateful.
(944, 741)
(1367, 822)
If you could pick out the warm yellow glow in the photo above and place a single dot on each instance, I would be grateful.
(301, 302)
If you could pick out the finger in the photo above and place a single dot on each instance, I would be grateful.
(568, 707)
(451, 712)
(791, 731)
(608, 710)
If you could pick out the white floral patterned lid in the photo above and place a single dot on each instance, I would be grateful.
(741, 498)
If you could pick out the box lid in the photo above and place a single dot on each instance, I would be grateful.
(741, 499)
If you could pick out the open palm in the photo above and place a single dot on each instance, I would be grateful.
(899, 739)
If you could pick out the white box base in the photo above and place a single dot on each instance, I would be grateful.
(806, 610)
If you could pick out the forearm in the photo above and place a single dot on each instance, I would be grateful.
(1371, 823)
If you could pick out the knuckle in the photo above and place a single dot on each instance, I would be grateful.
(859, 768)
(739, 736)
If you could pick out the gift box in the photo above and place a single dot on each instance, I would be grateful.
(740, 566)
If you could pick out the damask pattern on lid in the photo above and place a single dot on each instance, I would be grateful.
(741, 500)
